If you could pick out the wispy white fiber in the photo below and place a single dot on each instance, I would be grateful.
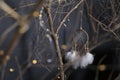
(72, 56)
(79, 61)
(86, 59)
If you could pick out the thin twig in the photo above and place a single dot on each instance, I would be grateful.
(99, 43)
(118, 38)
(118, 77)
(111, 74)
(66, 16)
(9, 10)
(3, 72)
(25, 69)
(116, 27)
(5, 33)
(108, 30)
(91, 12)
(19, 68)
(10, 48)
(56, 43)
(97, 70)
(97, 21)
(113, 7)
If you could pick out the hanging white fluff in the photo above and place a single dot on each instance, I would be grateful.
(71, 56)
(86, 59)
(79, 61)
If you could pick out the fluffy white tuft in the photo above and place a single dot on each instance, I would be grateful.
(86, 59)
(78, 61)
(72, 56)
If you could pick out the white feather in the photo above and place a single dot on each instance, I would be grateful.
(72, 56)
(86, 59)
(77, 61)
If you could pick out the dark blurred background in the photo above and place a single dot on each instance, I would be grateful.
(34, 57)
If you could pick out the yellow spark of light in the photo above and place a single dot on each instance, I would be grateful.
(64, 47)
(11, 70)
(7, 57)
(34, 61)
(36, 14)
(102, 67)
(1, 52)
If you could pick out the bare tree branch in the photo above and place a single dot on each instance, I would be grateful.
(9, 10)
(56, 43)
(66, 16)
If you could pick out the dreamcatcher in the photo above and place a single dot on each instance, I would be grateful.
(79, 55)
